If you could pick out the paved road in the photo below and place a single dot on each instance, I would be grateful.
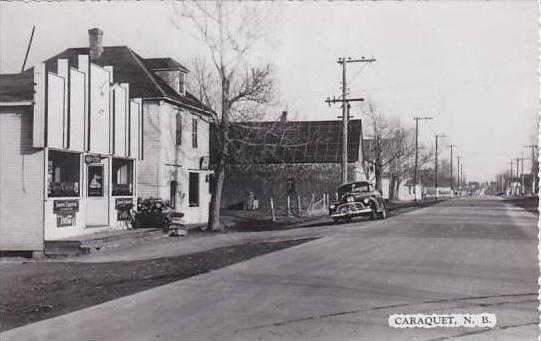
(461, 256)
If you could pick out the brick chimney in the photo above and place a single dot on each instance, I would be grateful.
(95, 40)
(283, 117)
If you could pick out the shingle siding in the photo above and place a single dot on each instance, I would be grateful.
(21, 183)
(147, 177)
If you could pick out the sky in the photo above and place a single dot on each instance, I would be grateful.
(471, 65)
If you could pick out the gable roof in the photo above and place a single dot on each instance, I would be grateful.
(293, 142)
(129, 67)
(16, 87)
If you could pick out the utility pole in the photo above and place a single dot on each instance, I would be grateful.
(458, 175)
(511, 177)
(451, 146)
(462, 173)
(345, 110)
(522, 189)
(533, 147)
(436, 161)
(417, 119)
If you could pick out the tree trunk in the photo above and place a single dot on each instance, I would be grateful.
(393, 187)
(215, 202)
(378, 174)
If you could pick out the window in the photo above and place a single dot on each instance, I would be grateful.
(181, 85)
(95, 181)
(193, 195)
(122, 177)
(194, 132)
(63, 174)
(178, 130)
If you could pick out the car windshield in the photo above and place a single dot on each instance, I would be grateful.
(356, 187)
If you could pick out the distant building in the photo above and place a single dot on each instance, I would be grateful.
(283, 158)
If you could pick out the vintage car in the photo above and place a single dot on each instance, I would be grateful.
(357, 199)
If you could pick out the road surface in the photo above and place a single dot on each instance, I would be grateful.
(460, 256)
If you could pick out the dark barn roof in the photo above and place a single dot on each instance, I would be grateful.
(292, 142)
(129, 67)
(16, 87)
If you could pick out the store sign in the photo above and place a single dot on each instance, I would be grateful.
(63, 220)
(65, 211)
(65, 206)
(95, 181)
(204, 163)
(123, 202)
(121, 214)
(93, 159)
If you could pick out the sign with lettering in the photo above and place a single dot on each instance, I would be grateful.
(65, 219)
(95, 181)
(123, 202)
(92, 159)
(204, 163)
(65, 206)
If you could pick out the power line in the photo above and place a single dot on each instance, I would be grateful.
(345, 109)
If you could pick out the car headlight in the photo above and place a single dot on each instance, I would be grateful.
(366, 201)
(332, 206)
(349, 199)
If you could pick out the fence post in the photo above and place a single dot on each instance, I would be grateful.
(313, 199)
(273, 216)
(298, 203)
(288, 206)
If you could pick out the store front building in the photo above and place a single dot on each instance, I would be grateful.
(85, 130)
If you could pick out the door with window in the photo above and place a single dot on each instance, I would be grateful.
(97, 194)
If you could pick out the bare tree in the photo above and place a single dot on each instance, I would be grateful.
(233, 82)
(391, 143)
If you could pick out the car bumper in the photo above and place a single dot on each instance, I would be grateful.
(351, 212)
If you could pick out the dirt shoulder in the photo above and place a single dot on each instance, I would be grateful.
(530, 204)
(35, 291)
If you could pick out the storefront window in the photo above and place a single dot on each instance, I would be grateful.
(122, 177)
(63, 174)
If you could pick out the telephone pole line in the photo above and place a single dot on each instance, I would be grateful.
(533, 147)
(511, 177)
(417, 119)
(436, 162)
(451, 146)
(458, 175)
(522, 158)
(345, 110)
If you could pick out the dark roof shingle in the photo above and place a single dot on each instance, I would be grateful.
(292, 142)
(164, 64)
(129, 67)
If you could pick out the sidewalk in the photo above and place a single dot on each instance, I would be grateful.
(161, 246)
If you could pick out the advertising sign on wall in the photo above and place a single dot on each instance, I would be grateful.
(204, 163)
(120, 203)
(65, 211)
(95, 181)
